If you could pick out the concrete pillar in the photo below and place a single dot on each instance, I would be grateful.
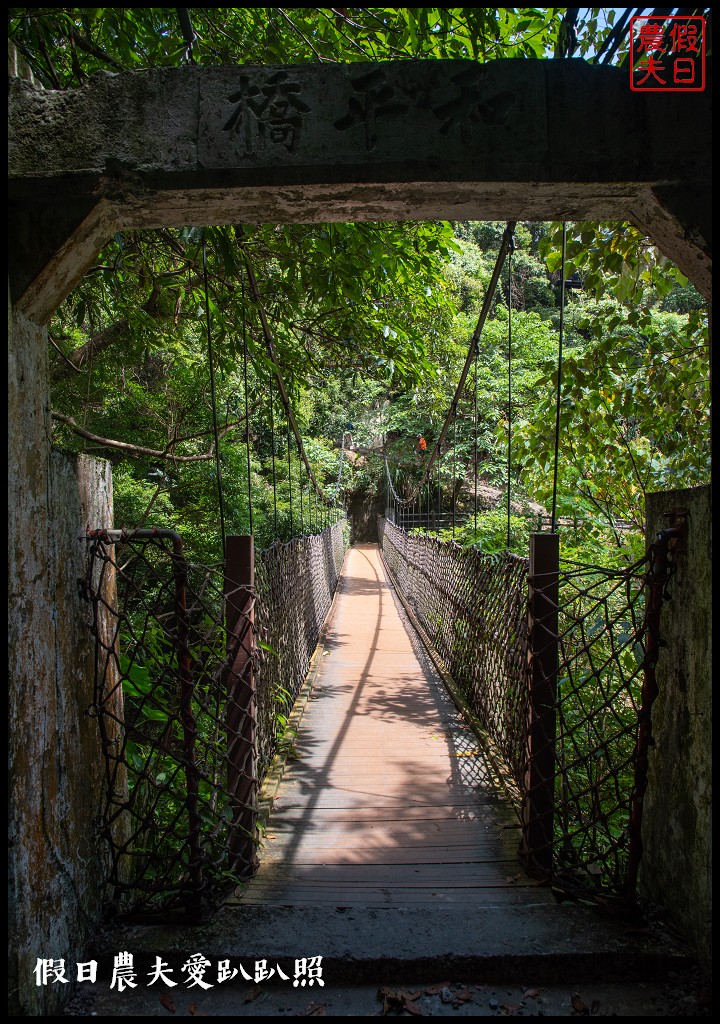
(56, 769)
(676, 867)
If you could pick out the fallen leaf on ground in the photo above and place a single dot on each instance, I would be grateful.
(195, 1011)
(313, 1010)
(167, 1002)
(253, 994)
(412, 996)
(390, 999)
(411, 1007)
(511, 1009)
(399, 1000)
(578, 1005)
(435, 990)
(463, 996)
(531, 993)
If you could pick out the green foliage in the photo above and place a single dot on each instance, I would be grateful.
(371, 321)
(615, 258)
(492, 532)
(136, 328)
(64, 46)
(634, 411)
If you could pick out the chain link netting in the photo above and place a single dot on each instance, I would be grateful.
(191, 701)
(294, 583)
(607, 641)
(579, 759)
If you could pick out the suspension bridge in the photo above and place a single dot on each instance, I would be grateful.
(474, 728)
(201, 670)
(388, 800)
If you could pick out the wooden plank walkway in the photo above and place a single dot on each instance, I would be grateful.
(390, 802)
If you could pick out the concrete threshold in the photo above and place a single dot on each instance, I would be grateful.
(377, 945)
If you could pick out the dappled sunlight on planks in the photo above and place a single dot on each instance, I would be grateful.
(390, 801)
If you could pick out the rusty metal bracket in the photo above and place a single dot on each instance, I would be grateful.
(678, 519)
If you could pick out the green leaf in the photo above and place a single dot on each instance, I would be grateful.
(266, 647)
(136, 681)
(156, 715)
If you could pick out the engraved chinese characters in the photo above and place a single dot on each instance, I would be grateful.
(268, 114)
(385, 112)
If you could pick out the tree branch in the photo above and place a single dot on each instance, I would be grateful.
(70, 363)
(98, 343)
(189, 34)
(93, 50)
(300, 33)
(134, 449)
(48, 61)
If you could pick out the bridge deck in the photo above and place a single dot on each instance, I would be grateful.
(390, 803)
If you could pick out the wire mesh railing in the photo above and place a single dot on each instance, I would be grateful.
(195, 672)
(295, 583)
(558, 665)
(473, 608)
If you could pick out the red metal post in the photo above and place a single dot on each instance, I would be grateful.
(241, 718)
(538, 807)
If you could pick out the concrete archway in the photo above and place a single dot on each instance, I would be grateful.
(512, 140)
(509, 140)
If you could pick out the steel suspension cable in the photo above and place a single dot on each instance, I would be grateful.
(420, 501)
(287, 421)
(553, 517)
(211, 362)
(247, 407)
(300, 489)
(439, 499)
(310, 506)
(342, 457)
(487, 302)
(270, 346)
(338, 486)
(509, 448)
(272, 450)
(454, 469)
(477, 352)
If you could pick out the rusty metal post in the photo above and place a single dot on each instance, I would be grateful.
(538, 806)
(241, 702)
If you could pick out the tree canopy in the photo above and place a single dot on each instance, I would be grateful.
(370, 321)
(65, 45)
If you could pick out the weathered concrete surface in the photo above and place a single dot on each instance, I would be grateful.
(512, 139)
(56, 771)
(28, 618)
(359, 945)
(436, 995)
(677, 836)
